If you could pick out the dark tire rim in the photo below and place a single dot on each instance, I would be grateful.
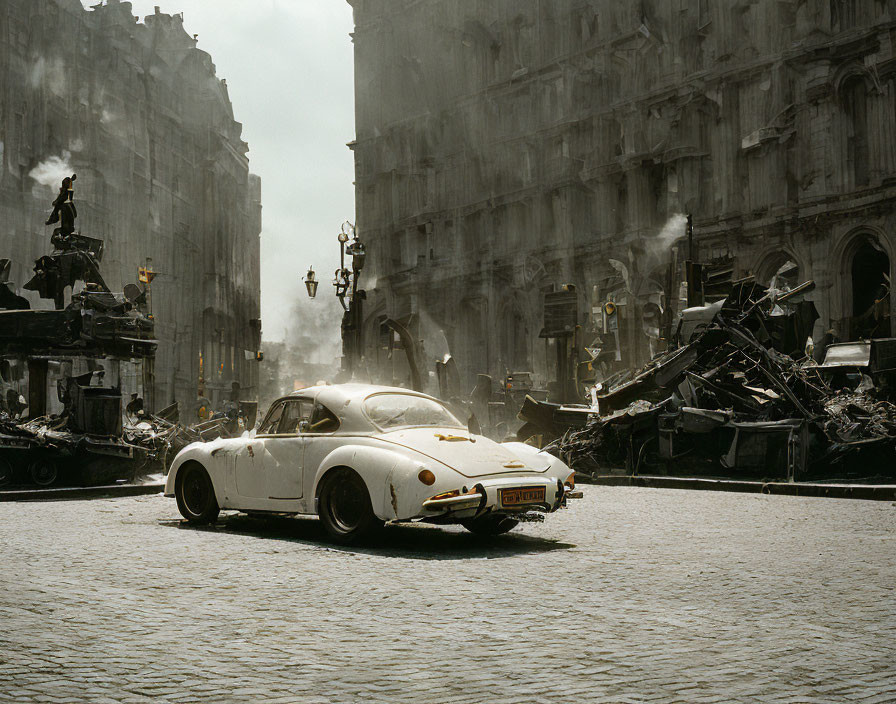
(347, 501)
(195, 491)
(43, 472)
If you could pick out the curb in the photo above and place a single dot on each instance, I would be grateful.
(82, 492)
(867, 492)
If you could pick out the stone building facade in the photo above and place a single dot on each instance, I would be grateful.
(135, 109)
(505, 148)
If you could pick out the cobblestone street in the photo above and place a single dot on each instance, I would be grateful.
(632, 595)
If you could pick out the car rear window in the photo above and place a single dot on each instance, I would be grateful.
(389, 411)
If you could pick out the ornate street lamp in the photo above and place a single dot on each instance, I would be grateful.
(342, 280)
(358, 254)
(345, 281)
(311, 283)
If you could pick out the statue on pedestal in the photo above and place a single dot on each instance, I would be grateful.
(64, 211)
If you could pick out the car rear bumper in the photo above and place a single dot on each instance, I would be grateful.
(504, 495)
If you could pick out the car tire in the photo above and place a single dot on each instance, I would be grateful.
(7, 473)
(345, 509)
(195, 495)
(44, 471)
(491, 524)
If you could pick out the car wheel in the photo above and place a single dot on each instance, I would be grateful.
(345, 508)
(195, 495)
(7, 473)
(43, 472)
(490, 524)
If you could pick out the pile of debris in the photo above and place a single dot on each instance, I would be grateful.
(742, 397)
(45, 450)
(88, 444)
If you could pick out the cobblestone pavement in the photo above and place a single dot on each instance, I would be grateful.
(632, 595)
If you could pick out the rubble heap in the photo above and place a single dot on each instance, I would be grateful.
(739, 398)
(44, 444)
(88, 445)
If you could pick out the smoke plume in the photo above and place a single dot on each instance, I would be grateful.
(657, 248)
(672, 230)
(314, 332)
(435, 344)
(51, 171)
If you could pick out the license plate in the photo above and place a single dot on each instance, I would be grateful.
(523, 495)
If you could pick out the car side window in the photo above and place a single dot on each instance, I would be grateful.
(270, 423)
(294, 413)
(323, 420)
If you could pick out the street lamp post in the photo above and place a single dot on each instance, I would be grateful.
(346, 281)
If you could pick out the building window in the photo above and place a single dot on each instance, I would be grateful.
(704, 13)
(855, 107)
(843, 15)
(870, 271)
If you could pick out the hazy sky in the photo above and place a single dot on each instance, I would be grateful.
(289, 71)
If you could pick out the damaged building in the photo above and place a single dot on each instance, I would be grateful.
(504, 149)
(135, 109)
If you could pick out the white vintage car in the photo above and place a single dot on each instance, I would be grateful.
(358, 456)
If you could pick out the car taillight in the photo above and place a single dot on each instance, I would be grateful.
(571, 481)
(456, 492)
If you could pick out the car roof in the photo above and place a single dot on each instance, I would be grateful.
(335, 393)
(345, 401)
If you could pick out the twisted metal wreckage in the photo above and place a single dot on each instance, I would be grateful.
(88, 442)
(741, 396)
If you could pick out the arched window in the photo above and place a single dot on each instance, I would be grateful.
(778, 270)
(854, 98)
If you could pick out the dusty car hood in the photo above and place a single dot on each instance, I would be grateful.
(471, 459)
